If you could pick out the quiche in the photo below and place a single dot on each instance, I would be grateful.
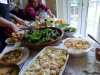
(12, 57)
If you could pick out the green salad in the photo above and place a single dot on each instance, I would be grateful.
(62, 26)
(41, 35)
(70, 29)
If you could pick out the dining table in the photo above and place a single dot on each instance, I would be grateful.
(77, 65)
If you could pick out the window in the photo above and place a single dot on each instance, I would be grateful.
(82, 14)
(74, 13)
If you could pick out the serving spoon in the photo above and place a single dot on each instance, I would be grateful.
(94, 39)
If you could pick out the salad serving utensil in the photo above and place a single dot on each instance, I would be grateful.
(94, 39)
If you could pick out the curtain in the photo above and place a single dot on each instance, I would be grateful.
(98, 32)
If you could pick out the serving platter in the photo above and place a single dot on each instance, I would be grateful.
(27, 65)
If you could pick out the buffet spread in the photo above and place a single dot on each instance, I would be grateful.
(50, 60)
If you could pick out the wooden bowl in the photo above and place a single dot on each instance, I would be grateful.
(48, 43)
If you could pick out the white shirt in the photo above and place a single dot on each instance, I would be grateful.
(4, 1)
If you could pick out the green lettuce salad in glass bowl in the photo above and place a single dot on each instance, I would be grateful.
(69, 31)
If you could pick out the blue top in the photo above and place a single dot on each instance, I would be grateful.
(4, 11)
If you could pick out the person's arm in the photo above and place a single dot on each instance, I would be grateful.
(47, 10)
(18, 20)
(50, 13)
(6, 23)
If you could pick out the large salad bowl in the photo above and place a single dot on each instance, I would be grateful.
(42, 37)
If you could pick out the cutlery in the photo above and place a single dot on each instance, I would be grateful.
(94, 39)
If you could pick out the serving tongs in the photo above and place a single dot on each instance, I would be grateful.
(28, 27)
(94, 39)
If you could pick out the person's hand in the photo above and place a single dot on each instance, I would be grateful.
(52, 16)
(38, 18)
(19, 26)
(17, 19)
(13, 27)
(21, 22)
(50, 13)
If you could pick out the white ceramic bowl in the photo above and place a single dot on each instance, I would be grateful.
(76, 51)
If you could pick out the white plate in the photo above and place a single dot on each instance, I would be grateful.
(25, 54)
(29, 63)
(69, 33)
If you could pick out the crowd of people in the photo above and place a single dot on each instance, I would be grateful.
(32, 11)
